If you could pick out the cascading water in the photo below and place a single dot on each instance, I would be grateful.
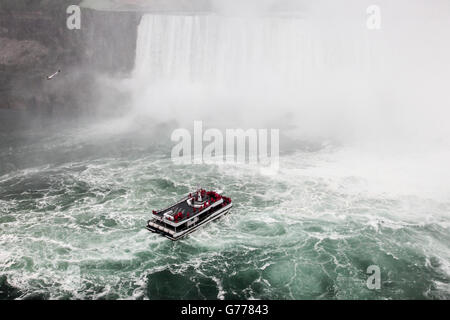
(73, 210)
(261, 69)
(241, 51)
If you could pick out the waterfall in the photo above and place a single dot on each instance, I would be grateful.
(235, 51)
(259, 68)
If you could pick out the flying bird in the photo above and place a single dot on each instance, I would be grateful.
(53, 75)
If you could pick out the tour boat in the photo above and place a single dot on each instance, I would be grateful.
(189, 214)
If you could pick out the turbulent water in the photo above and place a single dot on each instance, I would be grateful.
(74, 198)
(72, 226)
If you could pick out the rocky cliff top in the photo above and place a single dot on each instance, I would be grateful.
(35, 42)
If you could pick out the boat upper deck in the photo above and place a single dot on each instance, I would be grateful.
(190, 207)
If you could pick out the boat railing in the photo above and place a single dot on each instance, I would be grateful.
(180, 223)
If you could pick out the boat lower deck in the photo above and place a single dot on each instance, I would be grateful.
(176, 234)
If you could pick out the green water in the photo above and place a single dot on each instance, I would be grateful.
(74, 203)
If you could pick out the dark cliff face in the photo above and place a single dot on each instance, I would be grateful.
(35, 42)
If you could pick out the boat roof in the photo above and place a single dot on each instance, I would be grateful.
(184, 208)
